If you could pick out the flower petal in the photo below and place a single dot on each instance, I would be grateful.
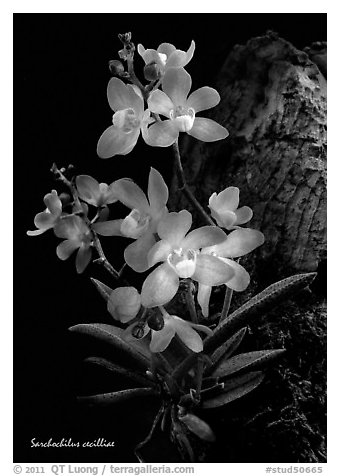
(44, 220)
(177, 84)
(239, 243)
(241, 278)
(207, 130)
(124, 303)
(131, 195)
(160, 103)
(159, 252)
(161, 134)
(181, 58)
(141, 50)
(83, 258)
(203, 98)
(225, 218)
(187, 334)
(243, 215)
(71, 227)
(228, 199)
(136, 99)
(202, 237)
(212, 271)
(66, 248)
(35, 232)
(114, 141)
(160, 286)
(199, 327)
(161, 339)
(166, 49)
(136, 254)
(108, 228)
(88, 189)
(158, 192)
(108, 193)
(148, 55)
(120, 96)
(174, 226)
(53, 203)
(203, 298)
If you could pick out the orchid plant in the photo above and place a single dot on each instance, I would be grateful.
(186, 360)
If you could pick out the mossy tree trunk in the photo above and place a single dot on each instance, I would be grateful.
(273, 102)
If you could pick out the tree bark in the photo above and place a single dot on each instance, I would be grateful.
(273, 102)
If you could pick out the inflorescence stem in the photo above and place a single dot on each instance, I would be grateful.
(183, 186)
(96, 242)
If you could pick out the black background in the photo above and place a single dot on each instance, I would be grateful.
(61, 73)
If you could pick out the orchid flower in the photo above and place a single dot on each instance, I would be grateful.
(77, 236)
(167, 56)
(124, 303)
(128, 105)
(173, 325)
(94, 193)
(50, 217)
(225, 211)
(141, 223)
(238, 243)
(185, 330)
(179, 252)
(180, 110)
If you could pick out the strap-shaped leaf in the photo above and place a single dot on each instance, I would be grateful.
(103, 290)
(197, 426)
(187, 364)
(117, 369)
(247, 361)
(235, 388)
(257, 305)
(106, 399)
(113, 335)
(227, 349)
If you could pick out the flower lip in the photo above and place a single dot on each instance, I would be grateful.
(163, 57)
(184, 117)
(183, 262)
(126, 120)
(135, 224)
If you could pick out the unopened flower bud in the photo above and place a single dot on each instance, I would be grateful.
(124, 303)
(138, 331)
(125, 37)
(65, 199)
(152, 71)
(156, 322)
(116, 67)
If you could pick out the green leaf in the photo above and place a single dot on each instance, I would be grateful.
(227, 349)
(246, 361)
(136, 377)
(187, 364)
(103, 290)
(197, 426)
(114, 336)
(258, 305)
(235, 388)
(106, 399)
